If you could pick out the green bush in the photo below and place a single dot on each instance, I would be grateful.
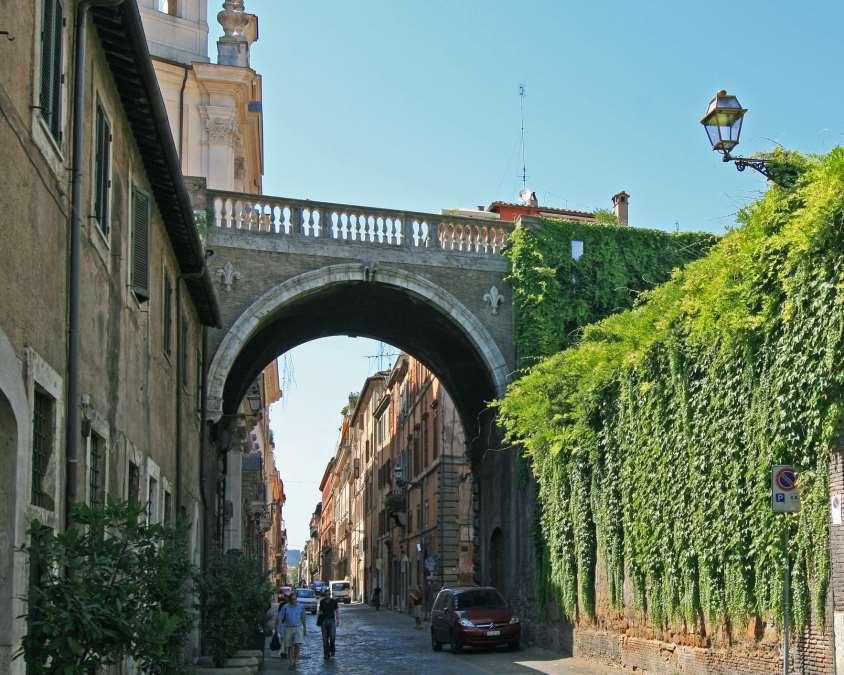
(108, 587)
(235, 597)
(652, 439)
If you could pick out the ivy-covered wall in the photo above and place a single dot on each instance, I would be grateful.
(653, 436)
(556, 295)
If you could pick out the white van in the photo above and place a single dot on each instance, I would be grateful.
(340, 591)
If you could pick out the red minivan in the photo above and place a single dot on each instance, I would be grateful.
(473, 616)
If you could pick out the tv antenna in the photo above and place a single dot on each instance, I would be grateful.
(384, 358)
(522, 107)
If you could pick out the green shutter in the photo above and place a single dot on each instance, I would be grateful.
(102, 178)
(168, 315)
(47, 43)
(140, 245)
(55, 110)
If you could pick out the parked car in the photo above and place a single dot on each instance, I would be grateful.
(308, 599)
(318, 586)
(341, 591)
(473, 616)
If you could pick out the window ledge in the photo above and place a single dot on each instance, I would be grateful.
(100, 241)
(49, 147)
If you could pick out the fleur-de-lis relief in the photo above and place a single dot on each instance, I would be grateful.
(228, 276)
(493, 298)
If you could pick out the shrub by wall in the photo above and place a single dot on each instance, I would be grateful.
(652, 439)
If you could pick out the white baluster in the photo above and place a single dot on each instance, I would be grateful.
(218, 212)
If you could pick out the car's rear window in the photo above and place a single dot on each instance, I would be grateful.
(304, 593)
(341, 586)
(482, 598)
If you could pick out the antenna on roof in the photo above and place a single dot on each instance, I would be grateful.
(522, 106)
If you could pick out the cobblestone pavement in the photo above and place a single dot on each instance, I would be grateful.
(386, 643)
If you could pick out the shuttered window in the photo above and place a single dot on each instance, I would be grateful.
(167, 317)
(102, 169)
(183, 347)
(43, 422)
(140, 245)
(52, 22)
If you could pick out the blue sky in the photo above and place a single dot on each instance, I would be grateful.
(415, 105)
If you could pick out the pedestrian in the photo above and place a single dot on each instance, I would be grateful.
(376, 597)
(328, 619)
(416, 606)
(292, 619)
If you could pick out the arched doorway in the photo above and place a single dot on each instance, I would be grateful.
(496, 560)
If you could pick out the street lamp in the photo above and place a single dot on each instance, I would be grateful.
(722, 122)
(254, 401)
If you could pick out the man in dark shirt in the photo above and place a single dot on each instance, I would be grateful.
(328, 616)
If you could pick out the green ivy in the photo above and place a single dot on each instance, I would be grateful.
(556, 296)
(652, 437)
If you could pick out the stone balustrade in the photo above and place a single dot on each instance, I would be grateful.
(377, 227)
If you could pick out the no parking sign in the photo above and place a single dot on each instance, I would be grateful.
(785, 495)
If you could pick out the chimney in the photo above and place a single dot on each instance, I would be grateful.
(619, 207)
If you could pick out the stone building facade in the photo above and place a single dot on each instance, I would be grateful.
(401, 489)
(123, 419)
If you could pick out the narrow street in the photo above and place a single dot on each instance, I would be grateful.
(386, 642)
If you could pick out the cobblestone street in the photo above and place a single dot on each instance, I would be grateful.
(386, 642)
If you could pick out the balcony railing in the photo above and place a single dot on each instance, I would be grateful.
(388, 228)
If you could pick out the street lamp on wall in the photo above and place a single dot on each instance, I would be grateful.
(254, 401)
(722, 122)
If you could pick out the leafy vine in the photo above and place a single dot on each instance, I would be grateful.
(652, 434)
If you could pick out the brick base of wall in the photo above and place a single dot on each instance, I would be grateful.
(812, 655)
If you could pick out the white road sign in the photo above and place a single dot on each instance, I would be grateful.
(785, 495)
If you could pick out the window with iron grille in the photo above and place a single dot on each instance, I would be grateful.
(95, 471)
(43, 434)
(50, 97)
(140, 245)
(417, 458)
(167, 319)
(102, 168)
(134, 484)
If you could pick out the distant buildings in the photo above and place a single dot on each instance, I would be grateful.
(396, 507)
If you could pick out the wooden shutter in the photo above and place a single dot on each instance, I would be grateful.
(103, 169)
(47, 45)
(140, 245)
(56, 99)
(167, 318)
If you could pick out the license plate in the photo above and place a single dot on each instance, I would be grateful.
(493, 633)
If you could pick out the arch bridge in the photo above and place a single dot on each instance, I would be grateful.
(289, 271)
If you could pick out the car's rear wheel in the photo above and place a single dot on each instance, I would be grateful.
(436, 645)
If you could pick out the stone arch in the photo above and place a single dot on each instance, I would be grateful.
(301, 287)
(14, 445)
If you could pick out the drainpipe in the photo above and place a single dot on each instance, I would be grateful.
(74, 271)
(182, 114)
(180, 348)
